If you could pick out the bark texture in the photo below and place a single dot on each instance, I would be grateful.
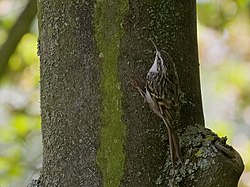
(97, 131)
(70, 93)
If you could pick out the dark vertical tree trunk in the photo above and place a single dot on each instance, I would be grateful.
(70, 93)
(97, 131)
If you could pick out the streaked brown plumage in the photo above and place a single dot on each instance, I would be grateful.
(164, 97)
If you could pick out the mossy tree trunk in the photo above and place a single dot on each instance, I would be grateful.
(97, 131)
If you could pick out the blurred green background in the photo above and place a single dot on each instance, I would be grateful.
(224, 49)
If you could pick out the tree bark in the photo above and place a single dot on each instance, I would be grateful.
(97, 130)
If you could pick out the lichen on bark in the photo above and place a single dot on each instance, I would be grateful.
(109, 16)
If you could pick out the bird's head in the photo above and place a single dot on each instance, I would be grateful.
(158, 64)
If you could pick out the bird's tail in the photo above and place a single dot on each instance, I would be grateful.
(174, 145)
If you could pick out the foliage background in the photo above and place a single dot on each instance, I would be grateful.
(224, 48)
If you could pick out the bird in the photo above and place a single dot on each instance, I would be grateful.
(164, 96)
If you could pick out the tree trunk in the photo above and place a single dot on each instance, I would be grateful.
(97, 130)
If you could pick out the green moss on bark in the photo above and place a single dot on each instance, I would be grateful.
(109, 16)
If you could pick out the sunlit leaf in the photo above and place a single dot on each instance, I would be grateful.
(27, 48)
(21, 126)
(15, 62)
